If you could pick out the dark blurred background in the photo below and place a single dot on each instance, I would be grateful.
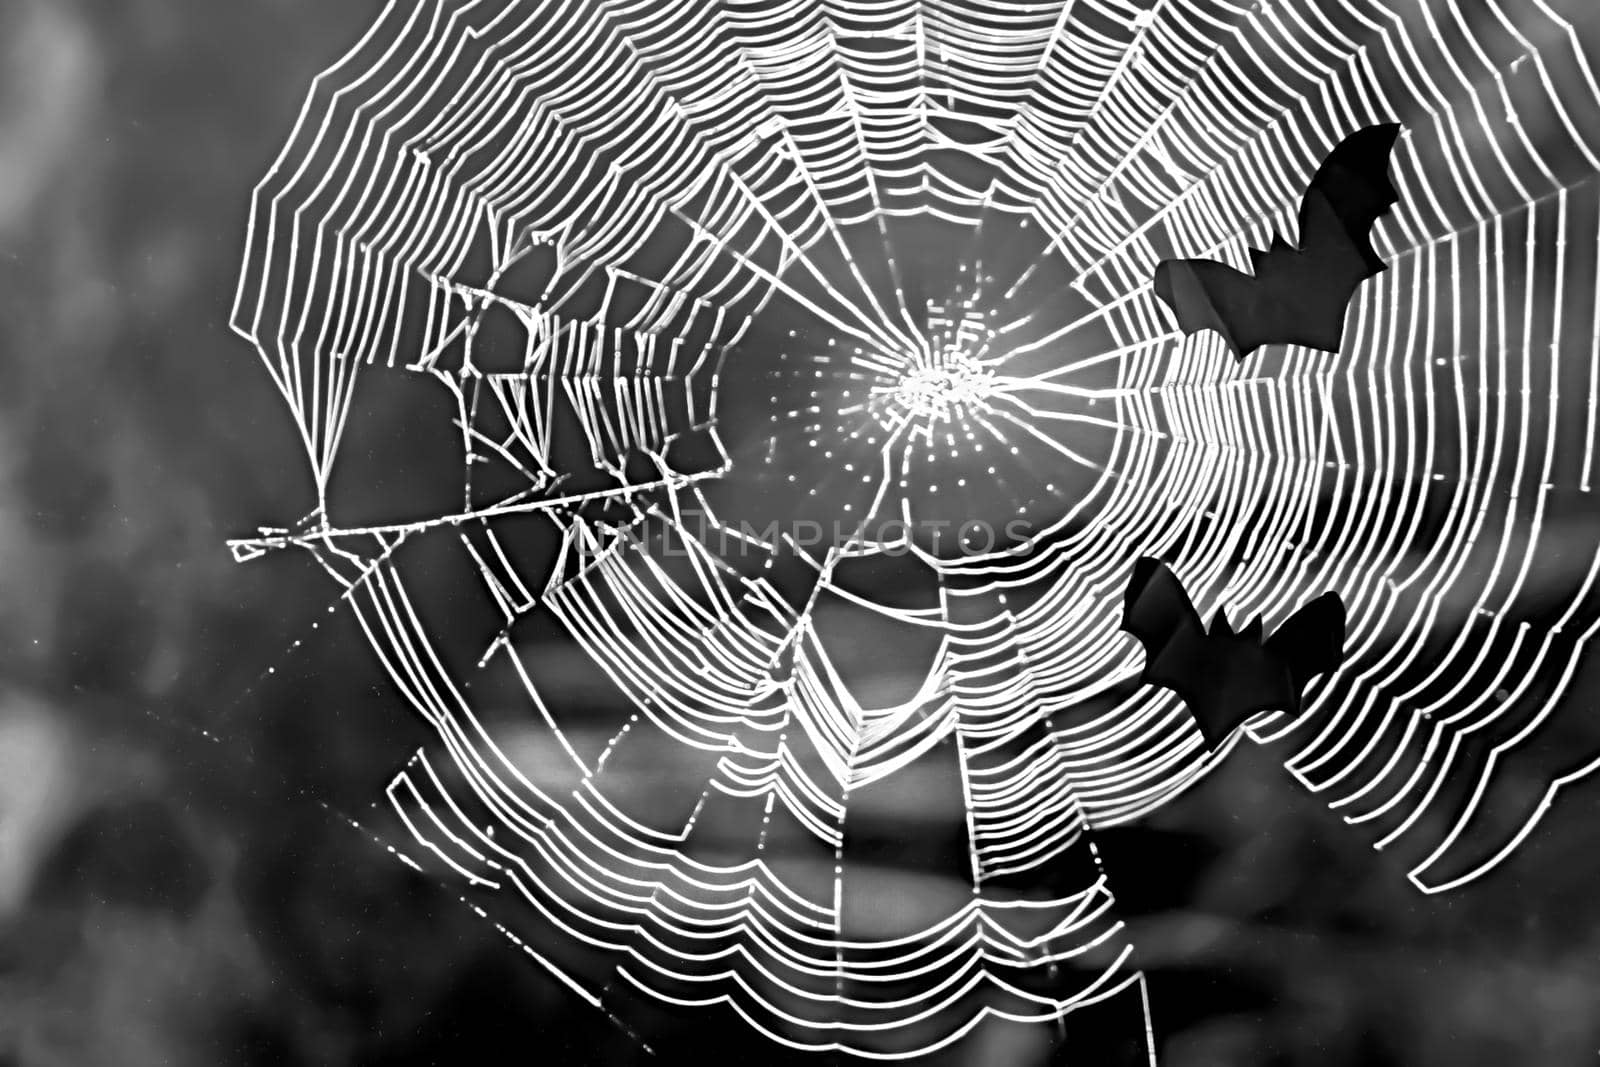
(180, 879)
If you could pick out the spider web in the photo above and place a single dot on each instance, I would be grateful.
(753, 323)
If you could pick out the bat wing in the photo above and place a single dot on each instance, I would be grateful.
(1223, 679)
(1296, 296)
(1311, 641)
(1156, 608)
(1347, 196)
(1207, 295)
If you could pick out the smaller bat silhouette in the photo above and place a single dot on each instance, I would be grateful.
(1297, 296)
(1222, 676)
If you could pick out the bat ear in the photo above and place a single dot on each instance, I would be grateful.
(1252, 629)
(1220, 625)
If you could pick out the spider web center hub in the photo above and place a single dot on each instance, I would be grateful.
(936, 392)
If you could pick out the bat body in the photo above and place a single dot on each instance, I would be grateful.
(1297, 296)
(1224, 677)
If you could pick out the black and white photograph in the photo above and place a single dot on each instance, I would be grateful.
(813, 533)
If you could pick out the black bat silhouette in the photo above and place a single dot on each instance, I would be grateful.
(1222, 676)
(1297, 296)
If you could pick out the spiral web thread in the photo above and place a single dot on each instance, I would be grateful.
(624, 188)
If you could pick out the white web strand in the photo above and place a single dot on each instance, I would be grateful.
(577, 218)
